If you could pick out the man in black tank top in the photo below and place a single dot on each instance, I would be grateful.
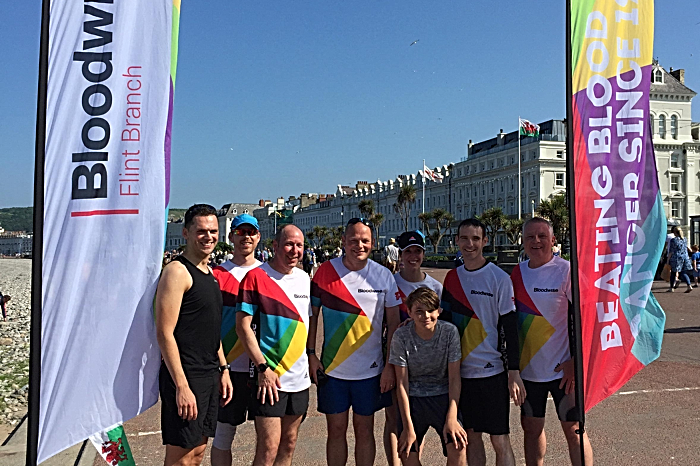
(194, 376)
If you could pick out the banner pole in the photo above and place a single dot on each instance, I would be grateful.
(38, 244)
(570, 190)
(423, 183)
(520, 183)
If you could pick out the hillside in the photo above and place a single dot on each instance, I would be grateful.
(20, 218)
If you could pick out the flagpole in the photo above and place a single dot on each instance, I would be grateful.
(520, 201)
(423, 185)
(34, 399)
(575, 291)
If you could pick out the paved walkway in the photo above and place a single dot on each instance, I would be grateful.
(653, 420)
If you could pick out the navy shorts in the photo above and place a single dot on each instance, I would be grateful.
(427, 412)
(289, 404)
(364, 396)
(536, 401)
(235, 412)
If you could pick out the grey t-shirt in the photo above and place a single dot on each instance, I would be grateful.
(426, 359)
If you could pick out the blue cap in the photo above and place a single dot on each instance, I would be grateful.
(245, 219)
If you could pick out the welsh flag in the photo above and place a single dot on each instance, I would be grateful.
(112, 444)
(529, 129)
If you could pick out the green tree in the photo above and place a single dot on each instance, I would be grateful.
(366, 207)
(436, 224)
(494, 219)
(311, 237)
(333, 238)
(404, 202)
(320, 234)
(223, 247)
(513, 228)
(557, 212)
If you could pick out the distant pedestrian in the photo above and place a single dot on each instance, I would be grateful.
(265, 255)
(695, 259)
(392, 256)
(679, 260)
(4, 299)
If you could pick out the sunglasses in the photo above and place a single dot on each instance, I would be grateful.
(361, 220)
(245, 231)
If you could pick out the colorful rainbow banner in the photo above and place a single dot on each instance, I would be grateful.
(109, 103)
(620, 221)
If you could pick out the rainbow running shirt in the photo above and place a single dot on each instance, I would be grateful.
(353, 304)
(282, 304)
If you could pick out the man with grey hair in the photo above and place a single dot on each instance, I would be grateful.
(542, 287)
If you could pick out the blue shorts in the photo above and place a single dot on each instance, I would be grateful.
(364, 396)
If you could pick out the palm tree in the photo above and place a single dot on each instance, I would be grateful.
(436, 224)
(557, 212)
(311, 236)
(366, 207)
(513, 228)
(493, 218)
(404, 201)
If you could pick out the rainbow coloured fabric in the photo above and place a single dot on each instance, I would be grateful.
(282, 304)
(229, 276)
(620, 221)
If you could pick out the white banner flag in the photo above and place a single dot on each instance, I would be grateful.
(109, 106)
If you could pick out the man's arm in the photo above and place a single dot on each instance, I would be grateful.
(314, 361)
(173, 284)
(388, 379)
(452, 427)
(408, 436)
(268, 381)
(509, 324)
(225, 385)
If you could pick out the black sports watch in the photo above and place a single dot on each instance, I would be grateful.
(310, 351)
(262, 367)
(223, 368)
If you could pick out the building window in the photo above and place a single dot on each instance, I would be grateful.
(491, 164)
(560, 154)
(675, 183)
(512, 183)
(674, 126)
(501, 185)
(534, 179)
(651, 122)
(674, 161)
(662, 127)
(558, 179)
(522, 183)
(658, 77)
(491, 187)
(675, 209)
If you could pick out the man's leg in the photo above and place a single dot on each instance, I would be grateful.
(178, 456)
(268, 430)
(535, 440)
(221, 446)
(337, 442)
(288, 441)
(504, 451)
(476, 454)
(573, 441)
(365, 448)
(455, 457)
(390, 438)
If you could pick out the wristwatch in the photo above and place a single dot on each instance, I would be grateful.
(223, 368)
(262, 367)
(310, 351)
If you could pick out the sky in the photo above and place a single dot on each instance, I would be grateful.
(278, 98)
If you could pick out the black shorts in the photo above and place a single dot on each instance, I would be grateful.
(289, 404)
(236, 410)
(177, 431)
(427, 412)
(536, 401)
(485, 404)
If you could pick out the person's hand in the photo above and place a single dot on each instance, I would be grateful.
(516, 387)
(186, 403)
(268, 384)
(407, 438)
(388, 379)
(454, 431)
(225, 388)
(405, 322)
(567, 382)
(314, 366)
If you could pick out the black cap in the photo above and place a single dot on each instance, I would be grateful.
(411, 238)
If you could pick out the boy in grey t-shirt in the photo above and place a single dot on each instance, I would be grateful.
(426, 355)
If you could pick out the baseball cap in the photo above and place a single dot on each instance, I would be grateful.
(411, 238)
(243, 219)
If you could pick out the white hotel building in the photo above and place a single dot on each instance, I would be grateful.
(488, 177)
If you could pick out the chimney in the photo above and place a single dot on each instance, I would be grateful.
(500, 137)
(679, 75)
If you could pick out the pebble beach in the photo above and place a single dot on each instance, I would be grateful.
(15, 281)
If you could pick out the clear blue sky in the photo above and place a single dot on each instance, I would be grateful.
(277, 98)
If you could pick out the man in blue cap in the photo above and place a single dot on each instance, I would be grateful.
(245, 236)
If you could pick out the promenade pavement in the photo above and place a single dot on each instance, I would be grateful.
(653, 420)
